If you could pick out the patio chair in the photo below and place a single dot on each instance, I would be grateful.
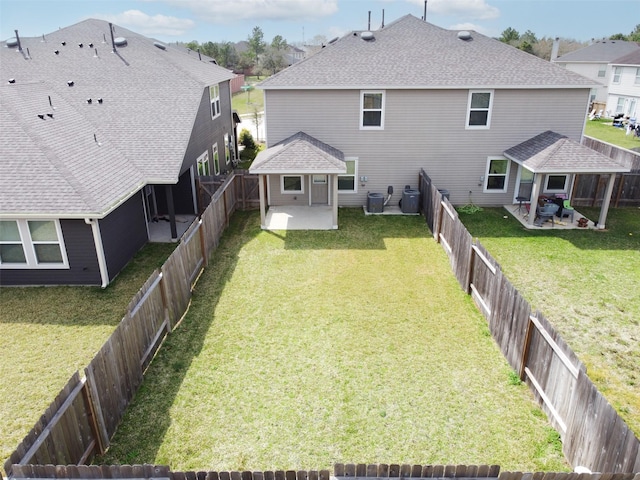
(546, 212)
(567, 210)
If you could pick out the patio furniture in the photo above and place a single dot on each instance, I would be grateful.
(567, 210)
(520, 201)
(546, 212)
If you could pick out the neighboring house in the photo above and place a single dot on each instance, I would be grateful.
(104, 133)
(595, 62)
(624, 87)
(412, 96)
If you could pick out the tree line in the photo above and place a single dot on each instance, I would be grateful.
(542, 47)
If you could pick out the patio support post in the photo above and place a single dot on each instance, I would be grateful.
(263, 214)
(606, 201)
(172, 213)
(334, 202)
(535, 191)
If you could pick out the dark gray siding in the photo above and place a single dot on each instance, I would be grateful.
(124, 232)
(207, 131)
(83, 261)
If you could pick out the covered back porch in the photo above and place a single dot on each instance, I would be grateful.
(551, 157)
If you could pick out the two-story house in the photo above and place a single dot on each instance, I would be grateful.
(374, 108)
(624, 87)
(595, 61)
(104, 133)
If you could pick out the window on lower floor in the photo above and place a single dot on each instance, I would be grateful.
(347, 182)
(227, 148)
(31, 244)
(203, 164)
(556, 183)
(497, 175)
(291, 184)
(216, 159)
(620, 105)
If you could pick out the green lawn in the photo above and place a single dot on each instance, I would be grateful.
(602, 130)
(302, 349)
(587, 284)
(50, 332)
(251, 101)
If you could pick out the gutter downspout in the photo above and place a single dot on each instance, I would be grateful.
(97, 240)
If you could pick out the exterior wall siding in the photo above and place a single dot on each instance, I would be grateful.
(83, 261)
(124, 232)
(425, 129)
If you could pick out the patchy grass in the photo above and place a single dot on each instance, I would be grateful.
(50, 332)
(586, 283)
(603, 130)
(302, 349)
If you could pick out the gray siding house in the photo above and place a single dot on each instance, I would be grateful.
(104, 133)
(413, 95)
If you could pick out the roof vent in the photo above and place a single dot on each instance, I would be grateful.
(464, 35)
(333, 40)
(12, 80)
(161, 46)
(120, 42)
(12, 42)
(81, 45)
(367, 35)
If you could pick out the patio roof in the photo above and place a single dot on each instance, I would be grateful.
(299, 154)
(550, 152)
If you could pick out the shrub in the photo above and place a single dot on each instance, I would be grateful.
(246, 139)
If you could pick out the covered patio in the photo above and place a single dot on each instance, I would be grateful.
(550, 153)
(298, 182)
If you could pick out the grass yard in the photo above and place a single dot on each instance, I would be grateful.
(302, 349)
(587, 284)
(251, 101)
(602, 130)
(50, 332)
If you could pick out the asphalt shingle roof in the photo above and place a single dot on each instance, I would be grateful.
(150, 98)
(300, 153)
(411, 53)
(604, 51)
(550, 152)
(632, 58)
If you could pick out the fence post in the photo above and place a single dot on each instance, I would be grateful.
(224, 202)
(92, 391)
(439, 223)
(525, 349)
(203, 246)
(93, 420)
(472, 262)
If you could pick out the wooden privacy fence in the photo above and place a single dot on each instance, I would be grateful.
(340, 471)
(589, 189)
(84, 416)
(593, 434)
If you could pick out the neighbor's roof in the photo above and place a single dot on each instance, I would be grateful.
(632, 58)
(55, 166)
(299, 154)
(411, 53)
(550, 152)
(604, 51)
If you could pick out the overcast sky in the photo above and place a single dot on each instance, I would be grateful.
(298, 20)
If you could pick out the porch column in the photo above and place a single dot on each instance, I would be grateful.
(535, 191)
(172, 213)
(605, 202)
(263, 214)
(334, 202)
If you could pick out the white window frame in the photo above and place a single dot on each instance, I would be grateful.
(203, 161)
(214, 97)
(637, 80)
(602, 71)
(620, 105)
(28, 247)
(319, 179)
(488, 175)
(617, 74)
(216, 159)
(363, 110)
(354, 175)
(488, 109)
(556, 190)
(291, 192)
(227, 149)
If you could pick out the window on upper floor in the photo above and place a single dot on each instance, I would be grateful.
(203, 164)
(32, 244)
(479, 109)
(617, 72)
(637, 81)
(347, 181)
(602, 71)
(214, 96)
(496, 178)
(372, 110)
